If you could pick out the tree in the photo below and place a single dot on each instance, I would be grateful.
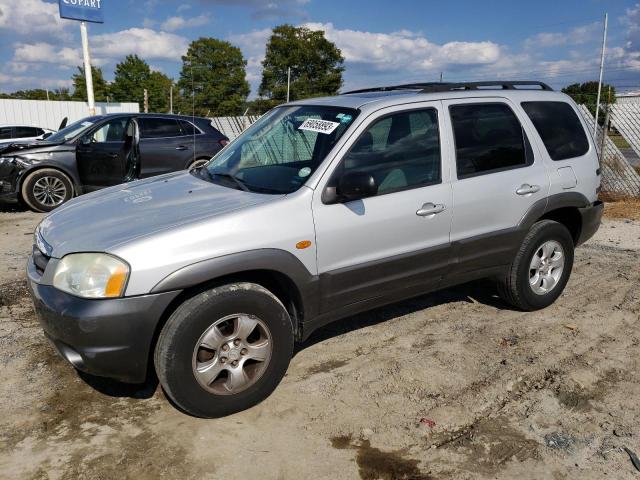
(587, 94)
(316, 64)
(132, 76)
(213, 79)
(100, 85)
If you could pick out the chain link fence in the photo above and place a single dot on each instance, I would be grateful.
(619, 177)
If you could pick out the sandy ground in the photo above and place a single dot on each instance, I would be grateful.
(452, 385)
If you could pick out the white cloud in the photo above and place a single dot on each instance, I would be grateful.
(178, 22)
(405, 49)
(253, 46)
(576, 36)
(42, 52)
(35, 18)
(145, 42)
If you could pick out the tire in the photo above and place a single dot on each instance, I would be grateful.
(528, 284)
(46, 189)
(197, 163)
(180, 356)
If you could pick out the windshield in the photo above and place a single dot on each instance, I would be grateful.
(281, 150)
(73, 130)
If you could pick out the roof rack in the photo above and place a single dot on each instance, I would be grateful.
(430, 87)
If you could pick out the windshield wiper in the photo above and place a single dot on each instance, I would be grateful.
(235, 179)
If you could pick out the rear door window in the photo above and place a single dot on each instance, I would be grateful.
(559, 128)
(5, 133)
(488, 138)
(159, 127)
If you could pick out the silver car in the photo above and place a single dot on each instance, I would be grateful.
(321, 209)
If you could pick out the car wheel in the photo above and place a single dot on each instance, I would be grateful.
(46, 189)
(198, 163)
(224, 350)
(541, 268)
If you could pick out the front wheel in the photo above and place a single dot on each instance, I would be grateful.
(541, 268)
(46, 189)
(224, 350)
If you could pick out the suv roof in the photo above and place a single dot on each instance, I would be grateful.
(380, 97)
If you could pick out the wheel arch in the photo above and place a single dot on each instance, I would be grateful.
(563, 208)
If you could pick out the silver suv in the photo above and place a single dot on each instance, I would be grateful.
(321, 209)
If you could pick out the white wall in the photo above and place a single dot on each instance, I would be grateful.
(49, 114)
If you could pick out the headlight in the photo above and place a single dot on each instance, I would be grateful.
(91, 275)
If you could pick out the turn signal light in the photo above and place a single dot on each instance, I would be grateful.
(303, 244)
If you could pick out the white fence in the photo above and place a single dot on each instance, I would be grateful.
(49, 114)
(233, 126)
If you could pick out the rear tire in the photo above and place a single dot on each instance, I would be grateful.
(224, 350)
(541, 268)
(46, 189)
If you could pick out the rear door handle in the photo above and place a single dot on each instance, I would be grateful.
(113, 155)
(430, 209)
(181, 147)
(526, 189)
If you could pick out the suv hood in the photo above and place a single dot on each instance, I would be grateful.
(28, 147)
(102, 220)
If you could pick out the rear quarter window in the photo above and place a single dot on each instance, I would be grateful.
(559, 127)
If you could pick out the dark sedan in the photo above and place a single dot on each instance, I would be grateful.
(102, 151)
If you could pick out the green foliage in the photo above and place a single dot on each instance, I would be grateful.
(100, 85)
(213, 79)
(587, 94)
(261, 105)
(316, 64)
(38, 94)
(132, 76)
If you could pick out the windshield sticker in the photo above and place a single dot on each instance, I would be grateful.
(304, 172)
(344, 118)
(320, 126)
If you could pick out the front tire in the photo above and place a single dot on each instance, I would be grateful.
(541, 268)
(224, 350)
(46, 189)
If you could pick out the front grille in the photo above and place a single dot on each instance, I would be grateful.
(40, 260)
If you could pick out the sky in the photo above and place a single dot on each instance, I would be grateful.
(383, 42)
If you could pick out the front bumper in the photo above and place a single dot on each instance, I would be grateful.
(105, 337)
(591, 218)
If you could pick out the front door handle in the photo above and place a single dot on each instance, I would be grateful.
(181, 147)
(526, 189)
(113, 155)
(429, 209)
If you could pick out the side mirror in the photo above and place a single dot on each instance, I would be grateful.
(86, 140)
(46, 135)
(356, 185)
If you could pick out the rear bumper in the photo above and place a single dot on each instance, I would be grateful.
(110, 337)
(591, 218)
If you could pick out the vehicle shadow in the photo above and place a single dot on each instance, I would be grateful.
(10, 207)
(115, 388)
(480, 291)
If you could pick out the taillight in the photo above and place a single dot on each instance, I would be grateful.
(224, 142)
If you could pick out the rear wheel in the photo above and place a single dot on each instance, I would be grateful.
(541, 268)
(224, 350)
(46, 189)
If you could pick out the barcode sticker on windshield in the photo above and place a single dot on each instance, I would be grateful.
(320, 126)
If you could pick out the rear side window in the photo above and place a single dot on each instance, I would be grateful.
(489, 139)
(400, 151)
(559, 127)
(5, 133)
(188, 128)
(159, 127)
(26, 132)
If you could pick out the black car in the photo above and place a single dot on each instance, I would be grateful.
(102, 151)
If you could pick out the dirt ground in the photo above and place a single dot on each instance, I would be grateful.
(452, 385)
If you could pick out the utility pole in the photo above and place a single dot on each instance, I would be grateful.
(604, 44)
(87, 68)
(441, 77)
(146, 101)
(171, 99)
(47, 94)
(288, 82)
